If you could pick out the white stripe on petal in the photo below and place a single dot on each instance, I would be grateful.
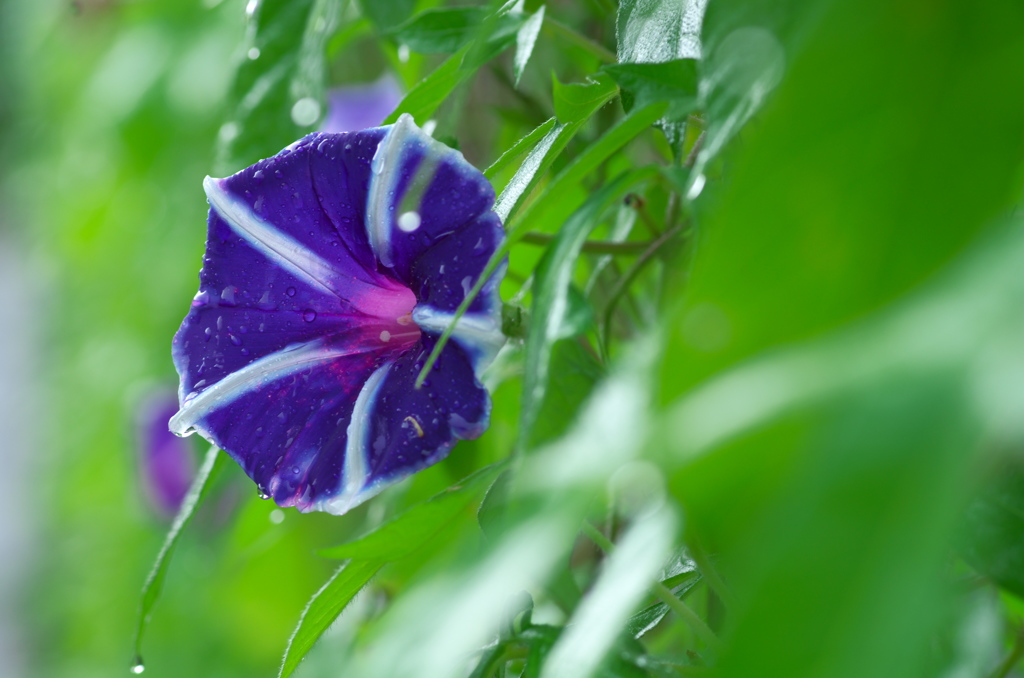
(357, 450)
(269, 368)
(384, 205)
(478, 333)
(266, 239)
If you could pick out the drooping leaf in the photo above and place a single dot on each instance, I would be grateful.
(277, 93)
(526, 38)
(324, 607)
(674, 82)
(155, 581)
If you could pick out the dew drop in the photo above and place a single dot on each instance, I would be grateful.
(385, 336)
(258, 175)
(234, 340)
(409, 221)
(245, 351)
(254, 53)
(137, 665)
(309, 316)
(261, 492)
(290, 291)
(208, 332)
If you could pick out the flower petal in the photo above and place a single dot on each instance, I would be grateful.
(278, 271)
(420, 191)
(402, 429)
(285, 418)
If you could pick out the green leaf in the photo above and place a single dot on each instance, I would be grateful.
(574, 371)
(410, 530)
(277, 96)
(578, 101)
(992, 538)
(526, 38)
(324, 607)
(386, 14)
(490, 38)
(155, 581)
(647, 618)
(551, 205)
(519, 148)
(553, 279)
(653, 31)
(674, 82)
(447, 30)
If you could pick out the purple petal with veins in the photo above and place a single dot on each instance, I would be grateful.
(330, 271)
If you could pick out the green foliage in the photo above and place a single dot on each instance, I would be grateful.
(768, 340)
(277, 95)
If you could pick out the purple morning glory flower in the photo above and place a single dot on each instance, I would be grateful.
(167, 463)
(330, 271)
(356, 107)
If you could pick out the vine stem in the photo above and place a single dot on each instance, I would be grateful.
(664, 594)
(626, 280)
(592, 246)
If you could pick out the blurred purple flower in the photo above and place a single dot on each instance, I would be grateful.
(356, 107)
(330, 271)
(167, 464)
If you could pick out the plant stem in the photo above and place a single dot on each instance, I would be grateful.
(626, 280)
(592, 246)
(560, 30)
(663, 593)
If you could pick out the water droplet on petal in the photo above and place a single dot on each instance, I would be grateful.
(385, 336)
(290, 291)
(309, 316)
(409, 221)
(234, 340)
(261, 492)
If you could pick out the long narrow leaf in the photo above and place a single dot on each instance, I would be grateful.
(155, 581)
(324, 607)
(277, 92)
(551, 203)
(410, 530)
(553, 277)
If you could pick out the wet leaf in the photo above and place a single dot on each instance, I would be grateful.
(278, 91)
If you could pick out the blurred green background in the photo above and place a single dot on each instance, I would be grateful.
(823, 384)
